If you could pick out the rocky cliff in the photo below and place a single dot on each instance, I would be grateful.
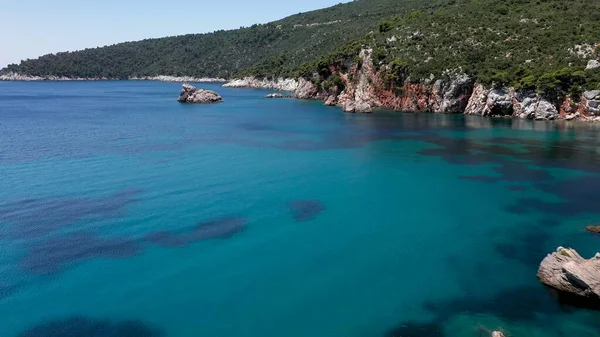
(362, 87)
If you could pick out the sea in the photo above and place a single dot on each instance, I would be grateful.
(124, 213)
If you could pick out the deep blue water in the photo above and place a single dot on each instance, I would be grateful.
(126, 214)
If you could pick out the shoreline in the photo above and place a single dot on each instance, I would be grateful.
(478, 102)
(13, 77)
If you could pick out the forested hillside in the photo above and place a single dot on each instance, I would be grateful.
(299, 38)
(524, 44)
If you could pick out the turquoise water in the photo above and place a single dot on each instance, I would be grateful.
(124, 213)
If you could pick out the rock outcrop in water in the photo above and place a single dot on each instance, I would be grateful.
(189, 94)
(593, 229)
(497, 334)
(565, 270)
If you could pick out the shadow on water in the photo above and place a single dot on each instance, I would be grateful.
(523, 304)
(55, 254)
(31, 218)
(89, 327)
(215, 229)
(306, 210)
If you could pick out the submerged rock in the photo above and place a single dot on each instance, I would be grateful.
(277, 95)
(593, 229)
(565, 270)
(497, 334)
(189, 94)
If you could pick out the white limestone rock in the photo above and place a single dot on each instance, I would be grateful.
(566, 271)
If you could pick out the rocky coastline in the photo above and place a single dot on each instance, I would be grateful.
(161, 78)
(279, 84)
(363, 88)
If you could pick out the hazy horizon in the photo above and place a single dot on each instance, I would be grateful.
(69, 25)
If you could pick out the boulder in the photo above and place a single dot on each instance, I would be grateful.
(331, 100)
(592, 102)
(306, 90)
(592, 64)
(497, 334)
(545, 110)
(566, 271)
(354, 106)
(592, 94)
(189, 94)
(500, 102)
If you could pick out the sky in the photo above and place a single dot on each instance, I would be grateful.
(37, 27)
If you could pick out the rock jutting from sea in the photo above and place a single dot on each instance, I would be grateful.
(566, 271)
(190, 94)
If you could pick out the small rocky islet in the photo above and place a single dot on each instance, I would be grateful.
(572, 275)
(190, 94)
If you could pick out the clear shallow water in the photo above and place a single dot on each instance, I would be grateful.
(124, 213)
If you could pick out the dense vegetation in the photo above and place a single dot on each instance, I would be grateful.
(291, 41)
(526, 44)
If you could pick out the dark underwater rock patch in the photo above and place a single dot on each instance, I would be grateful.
(481, 179)
(416, 329)
(579, 196)
(55, 254)
(90, 327)
(522, 303)
(517, 188)
(526, 245)
(215, 229)
(7, 290)
(31, 218)
(306, 210)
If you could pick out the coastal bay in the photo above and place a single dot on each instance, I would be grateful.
(262, 217)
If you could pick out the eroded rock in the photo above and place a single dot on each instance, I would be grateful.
(357, 107)
(189, 94)
(565, 270)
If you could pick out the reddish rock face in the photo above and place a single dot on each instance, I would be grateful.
(364, 88)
